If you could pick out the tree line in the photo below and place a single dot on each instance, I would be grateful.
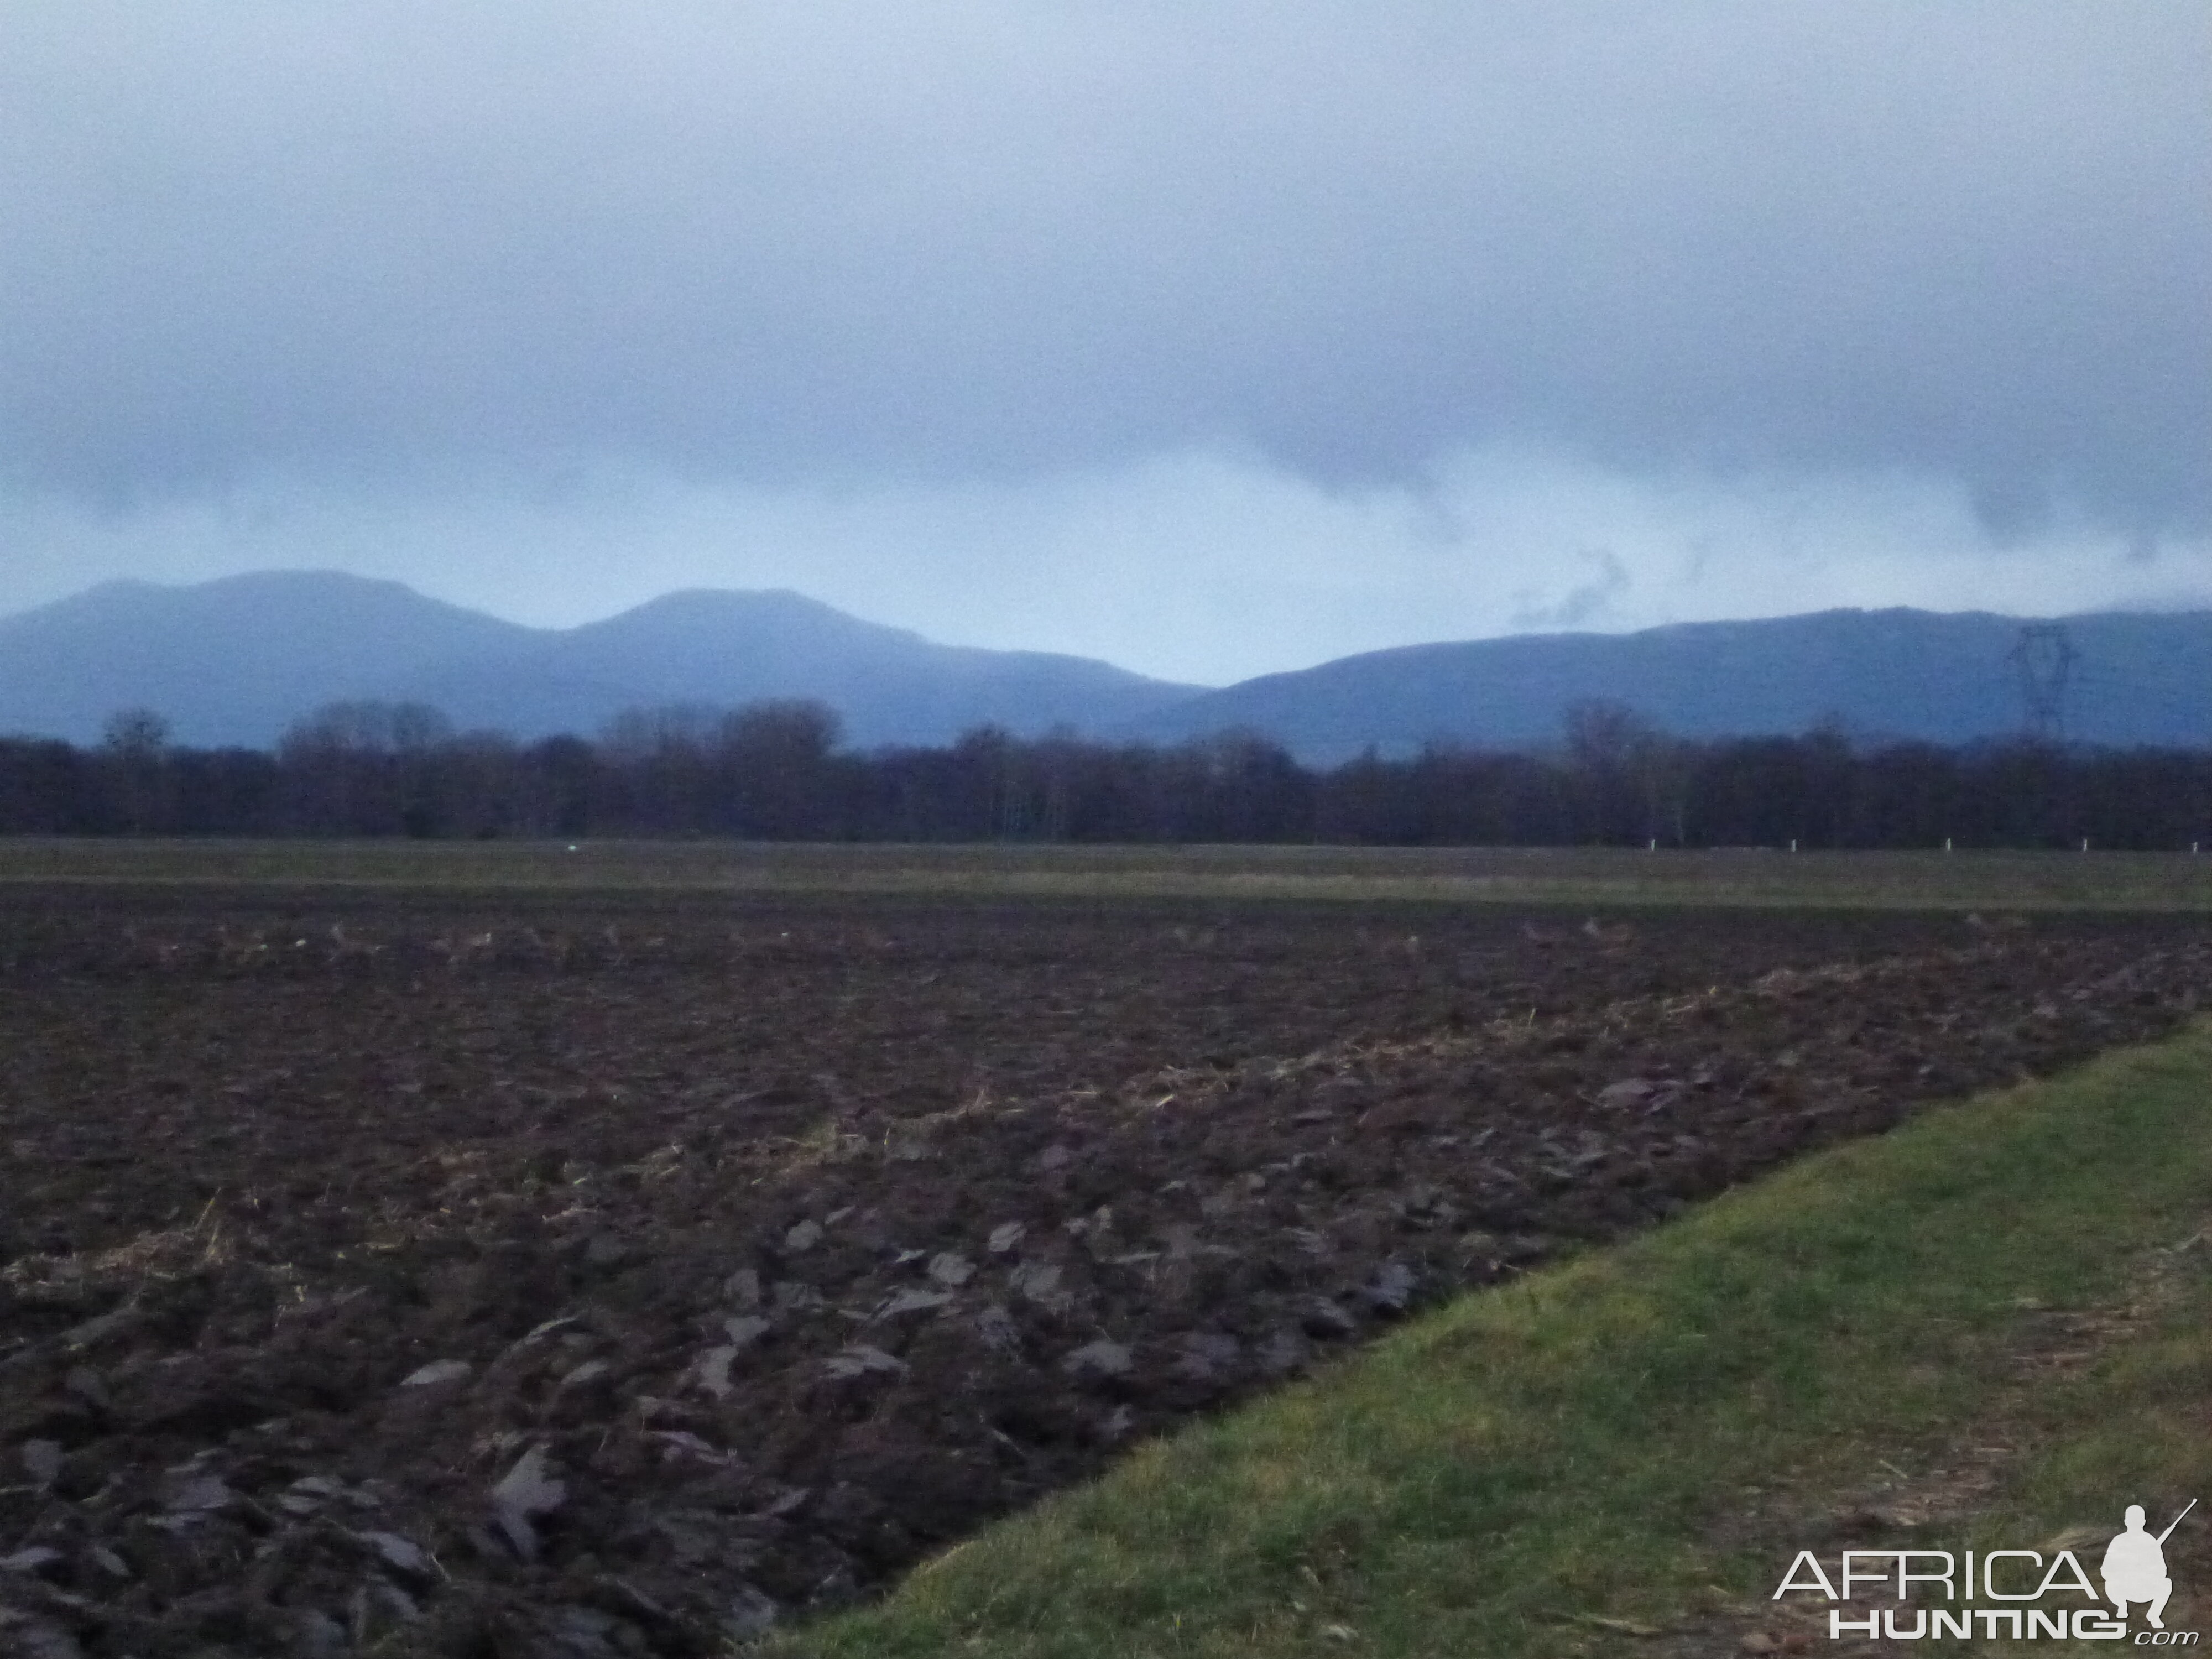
(775, 771)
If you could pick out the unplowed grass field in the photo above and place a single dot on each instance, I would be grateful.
(593, 1272)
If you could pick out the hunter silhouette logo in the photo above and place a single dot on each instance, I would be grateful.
(2030, 1594)
(2135, 1566)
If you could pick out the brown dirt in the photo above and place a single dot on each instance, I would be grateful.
(757, 1249)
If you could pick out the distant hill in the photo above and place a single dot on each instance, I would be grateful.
(229, 661)
(2136, 679)
(237, 660)
(889, 684)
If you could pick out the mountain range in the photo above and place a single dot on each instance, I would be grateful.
(237, 660)
(2121, 678)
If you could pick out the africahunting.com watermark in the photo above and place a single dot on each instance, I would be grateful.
(2001, 1595)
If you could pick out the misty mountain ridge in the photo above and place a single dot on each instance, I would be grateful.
(237, 660)
(2129, 678)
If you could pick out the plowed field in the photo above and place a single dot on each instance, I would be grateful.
(588, 1278)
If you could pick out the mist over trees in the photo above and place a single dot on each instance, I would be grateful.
(773, 771)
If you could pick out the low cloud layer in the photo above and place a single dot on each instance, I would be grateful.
(723, 290)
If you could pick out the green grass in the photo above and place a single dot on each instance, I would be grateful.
(1579, 877)
(1647, 1435)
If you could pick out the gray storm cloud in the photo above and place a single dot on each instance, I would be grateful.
(770, 244)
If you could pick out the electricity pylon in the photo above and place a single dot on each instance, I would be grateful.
(2044, 658)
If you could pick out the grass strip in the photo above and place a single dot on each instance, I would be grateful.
(1577, 876)
(1624, 1451)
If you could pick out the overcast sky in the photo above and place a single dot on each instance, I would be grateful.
(1210, 338)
